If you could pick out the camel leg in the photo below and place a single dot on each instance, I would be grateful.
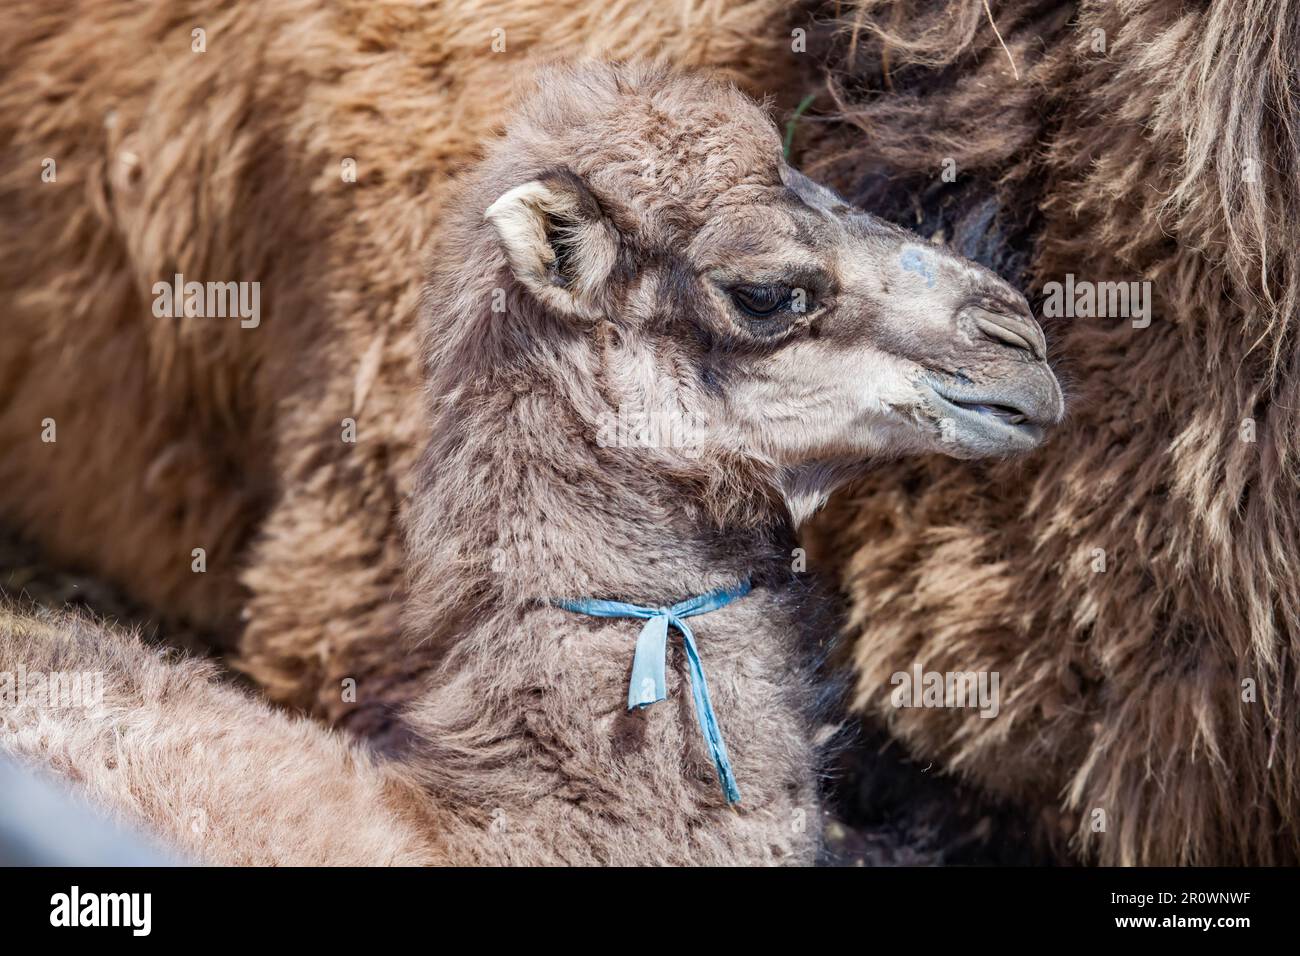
(216, 776)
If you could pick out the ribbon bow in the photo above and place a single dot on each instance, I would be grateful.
(648, 685)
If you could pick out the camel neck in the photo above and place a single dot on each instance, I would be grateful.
(607, 525)
(534, 508)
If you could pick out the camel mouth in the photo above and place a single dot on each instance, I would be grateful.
(1006, 413)
(994, 424)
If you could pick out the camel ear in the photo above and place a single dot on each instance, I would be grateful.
(558, 242)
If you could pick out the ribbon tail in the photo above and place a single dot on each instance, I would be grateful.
(648, 685)
(708, 719)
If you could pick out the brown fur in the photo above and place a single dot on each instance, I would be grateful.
(619, 289)
(225, 166)
(220, 777)
(1123, 689)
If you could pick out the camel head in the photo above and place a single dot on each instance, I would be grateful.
(654, 214)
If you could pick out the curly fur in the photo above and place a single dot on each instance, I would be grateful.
(520, 733)
(519, 748)
(227, 166)
(218, 776)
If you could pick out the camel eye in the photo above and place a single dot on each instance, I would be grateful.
(762, 301)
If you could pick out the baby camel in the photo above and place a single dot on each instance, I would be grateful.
(652, 349)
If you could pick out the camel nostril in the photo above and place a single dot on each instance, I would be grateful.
(1015, 331)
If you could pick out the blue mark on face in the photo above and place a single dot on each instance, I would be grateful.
(920, 261)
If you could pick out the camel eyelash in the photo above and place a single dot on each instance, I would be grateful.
(761, 301)
(769, 310)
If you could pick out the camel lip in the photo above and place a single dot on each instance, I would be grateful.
(988, 423)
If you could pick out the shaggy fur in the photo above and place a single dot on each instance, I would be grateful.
(517, 502)
(588, 288)
(1170, 157)
(218, 776)
(227, 165)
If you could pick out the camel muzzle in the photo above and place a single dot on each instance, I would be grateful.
(1001, 396)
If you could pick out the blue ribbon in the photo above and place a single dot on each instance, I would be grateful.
(648, 685)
